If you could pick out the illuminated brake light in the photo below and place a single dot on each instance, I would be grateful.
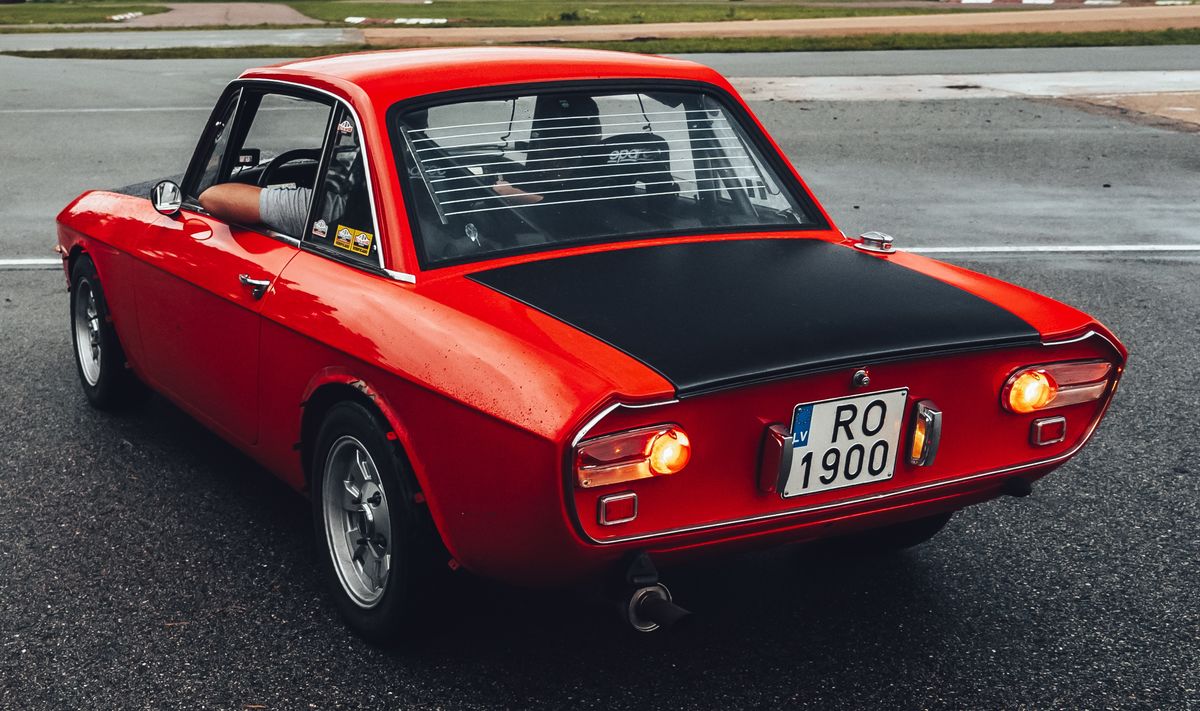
(1043, 387)
(626, 456)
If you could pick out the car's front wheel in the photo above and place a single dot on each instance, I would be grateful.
(374, 538)
(99, 359)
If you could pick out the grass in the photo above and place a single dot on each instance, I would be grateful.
(1006, 40)
(698, 44)
(485, 13)
(61, 12)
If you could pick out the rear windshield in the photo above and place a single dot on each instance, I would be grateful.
(539, 170)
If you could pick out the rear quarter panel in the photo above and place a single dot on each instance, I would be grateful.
(480, 410)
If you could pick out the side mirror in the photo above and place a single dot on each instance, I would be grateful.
(167, 198)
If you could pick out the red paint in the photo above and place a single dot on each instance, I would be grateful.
(486, 395)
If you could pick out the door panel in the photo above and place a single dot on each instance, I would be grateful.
(199, 323)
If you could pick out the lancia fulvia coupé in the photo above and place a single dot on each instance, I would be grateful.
(552, 316)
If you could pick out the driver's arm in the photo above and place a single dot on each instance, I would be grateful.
(233, 202)
(514, 194)
(282, 208)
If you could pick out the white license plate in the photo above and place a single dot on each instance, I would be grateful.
(844, 442)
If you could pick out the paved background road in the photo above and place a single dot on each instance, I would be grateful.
(159, 39)
(144, 564)
(991, 171)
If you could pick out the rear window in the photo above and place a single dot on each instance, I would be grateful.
(539, 170)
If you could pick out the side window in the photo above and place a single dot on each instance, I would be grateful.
(218, 142)
(285, 124)
(344, 221)
(281, 152)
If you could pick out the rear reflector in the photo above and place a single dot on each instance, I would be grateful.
(1048, 430)
(617, 508)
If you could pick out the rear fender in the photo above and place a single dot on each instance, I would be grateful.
(343, 377)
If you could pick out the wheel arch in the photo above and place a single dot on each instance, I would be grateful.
(77, 250)
(335, 385)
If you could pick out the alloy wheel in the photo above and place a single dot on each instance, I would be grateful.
(87, 332)
(357, 521)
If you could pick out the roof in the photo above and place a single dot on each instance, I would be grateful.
(392, 75)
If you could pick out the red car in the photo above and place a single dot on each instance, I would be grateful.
(551, 315)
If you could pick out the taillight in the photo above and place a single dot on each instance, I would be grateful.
(637, 454)
(1042, 387)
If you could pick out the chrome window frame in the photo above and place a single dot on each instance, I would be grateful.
(339, 101)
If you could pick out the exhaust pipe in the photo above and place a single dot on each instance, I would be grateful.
(650, 608)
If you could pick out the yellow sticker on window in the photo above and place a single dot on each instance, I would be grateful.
(353, 240)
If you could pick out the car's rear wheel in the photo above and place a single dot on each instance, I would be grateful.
(375, 540)
(99, 359)
(890, 539)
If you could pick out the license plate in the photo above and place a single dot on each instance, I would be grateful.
(844, 442)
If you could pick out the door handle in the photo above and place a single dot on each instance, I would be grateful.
(258, 287)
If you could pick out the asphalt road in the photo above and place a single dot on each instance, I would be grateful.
(145, 564)
(148, 565)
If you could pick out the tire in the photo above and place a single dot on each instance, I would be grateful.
(376, 545)
(99, 358)
(892, 539)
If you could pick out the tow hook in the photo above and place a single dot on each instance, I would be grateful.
(649, 605)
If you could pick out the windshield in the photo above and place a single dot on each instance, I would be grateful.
(542, 169)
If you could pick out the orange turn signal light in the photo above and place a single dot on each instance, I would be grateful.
(1031, 390)
(637, 454)
(1041, 387)
(670, 452)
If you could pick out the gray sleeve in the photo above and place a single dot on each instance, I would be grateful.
(284, 209)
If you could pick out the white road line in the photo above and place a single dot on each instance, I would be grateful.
(1055, 248)
(134, 109)
(30, 263)
(932, 87)
(115, 110)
